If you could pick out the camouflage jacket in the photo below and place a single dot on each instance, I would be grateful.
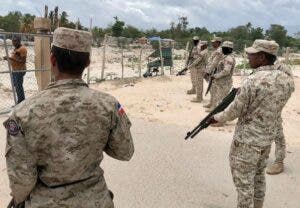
(213, 60)
(258, 106)
(225, 70)
(55, 144)
(201, 61)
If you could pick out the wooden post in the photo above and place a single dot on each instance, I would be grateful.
(287, 55)
(42, 52)
(88, 69)
(140, 62)
(161, 58)
(103, 57)
(244, 60)
(122, 61)
(172, 58)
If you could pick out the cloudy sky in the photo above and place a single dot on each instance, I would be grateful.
(216, 15)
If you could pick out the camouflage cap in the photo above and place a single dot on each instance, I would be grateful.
(268, 46)
(196, 38)
(215, 39)
(75, 40)
(227, 44)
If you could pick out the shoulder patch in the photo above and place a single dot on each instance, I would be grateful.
(120, 109)
(12, 127)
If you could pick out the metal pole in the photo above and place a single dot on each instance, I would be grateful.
(10, 71)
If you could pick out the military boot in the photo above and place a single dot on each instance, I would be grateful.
(258, 203)
(275, 168)
(196, 100)
(191, 91)
(207, 105)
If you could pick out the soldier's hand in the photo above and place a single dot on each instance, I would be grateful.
(211, 120)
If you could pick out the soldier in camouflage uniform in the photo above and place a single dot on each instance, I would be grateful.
(199, 65)
(258, 107)
(223, 76)
(280, 144)
(213, 62)
(194, 55)
(56, 139)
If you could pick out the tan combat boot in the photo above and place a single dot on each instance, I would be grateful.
(196, 100)
(191, 91)
(275, 168)
(207, 105)
(258, 203)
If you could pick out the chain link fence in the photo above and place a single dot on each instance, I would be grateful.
(121, 58)
(16, 84)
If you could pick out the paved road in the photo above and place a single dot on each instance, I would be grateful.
(168, 172)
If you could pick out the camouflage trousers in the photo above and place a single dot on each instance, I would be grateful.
(219, 90)
(199, 76)
(248, 165)
(193, 78)
(280, 146)
(213, 92)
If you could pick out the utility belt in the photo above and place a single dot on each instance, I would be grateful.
(260, 150)
(65, 184)
(73, 183)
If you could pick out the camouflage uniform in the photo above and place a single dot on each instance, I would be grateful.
(55, 144)
(223, 78)
(194, 56)
(258, 107)
(213, 61)
(280, 144)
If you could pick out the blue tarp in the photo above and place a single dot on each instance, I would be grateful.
(157, 38)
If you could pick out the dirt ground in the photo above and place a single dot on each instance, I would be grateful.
(167, 171)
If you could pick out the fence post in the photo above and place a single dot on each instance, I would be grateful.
(122, 61)
(161, 58)
(103, 57)
(287, 55)
(88, 68)
(10, 71)
(140, 62)
(42, 52)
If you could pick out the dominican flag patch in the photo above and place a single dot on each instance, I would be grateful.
(121, 110)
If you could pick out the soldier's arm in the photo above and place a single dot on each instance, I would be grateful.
(226, 71)
(120, 144)
(214, 63)
(197, 61)
(238, 106)
(20, 162)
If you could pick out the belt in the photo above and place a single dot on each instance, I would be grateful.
(63, 185)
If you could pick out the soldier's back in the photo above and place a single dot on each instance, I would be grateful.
(67, 127)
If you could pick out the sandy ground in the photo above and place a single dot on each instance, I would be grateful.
(167, 171)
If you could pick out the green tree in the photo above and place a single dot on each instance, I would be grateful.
(27, 25)
(117, 27)
(278, 33)
(131, 32)
(11, 22)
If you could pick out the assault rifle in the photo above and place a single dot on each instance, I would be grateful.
(221, 107)
(210, 81)
(182, 72)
